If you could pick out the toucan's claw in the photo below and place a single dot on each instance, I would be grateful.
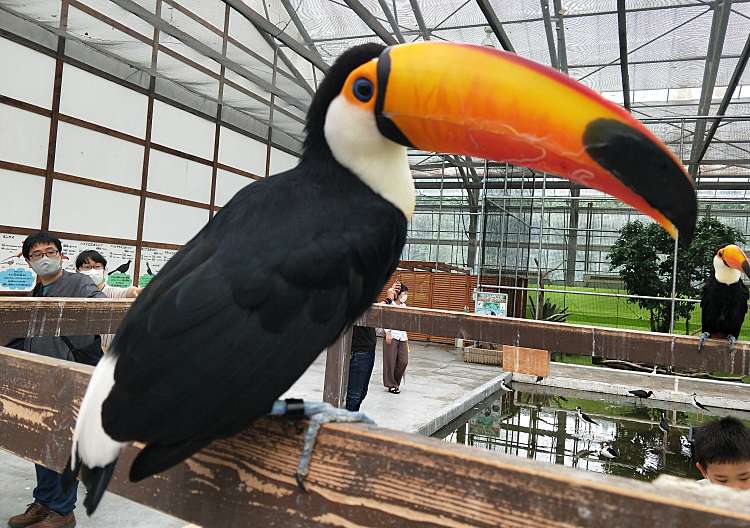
(319, 413)
(703, 336)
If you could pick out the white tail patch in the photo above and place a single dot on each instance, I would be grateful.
(92, 443)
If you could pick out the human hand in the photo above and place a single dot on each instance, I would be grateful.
(394, 290)
(388, 338)
(133, 292)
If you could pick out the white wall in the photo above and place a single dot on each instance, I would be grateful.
(100, 206)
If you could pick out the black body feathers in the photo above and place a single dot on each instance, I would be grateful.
(723, 307)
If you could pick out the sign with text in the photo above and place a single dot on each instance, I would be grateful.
(15, 274)
(495, 304)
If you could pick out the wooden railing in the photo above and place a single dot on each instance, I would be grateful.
(359, 476)
(32, 317)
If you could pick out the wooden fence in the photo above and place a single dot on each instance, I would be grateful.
(359, 475)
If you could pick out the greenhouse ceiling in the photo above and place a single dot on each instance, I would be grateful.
(666, 60)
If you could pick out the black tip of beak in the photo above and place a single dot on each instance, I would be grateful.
(746, 268)
(647, 170)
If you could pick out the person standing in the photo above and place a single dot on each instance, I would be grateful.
(363, 360)
(53, 507)
(396, 350)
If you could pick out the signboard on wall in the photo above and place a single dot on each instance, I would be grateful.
(120, 260)
(15, 274)
(495, 304)
(153, 260)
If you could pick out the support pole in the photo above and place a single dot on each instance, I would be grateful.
(337, 369)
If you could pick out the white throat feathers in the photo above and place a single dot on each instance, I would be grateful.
(724, 273)
(355, 141)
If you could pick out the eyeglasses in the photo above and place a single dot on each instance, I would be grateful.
(95, 266)
(36, 255)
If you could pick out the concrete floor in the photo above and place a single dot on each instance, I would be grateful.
(435, 379)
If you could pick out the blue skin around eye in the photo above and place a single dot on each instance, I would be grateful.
(363, 90)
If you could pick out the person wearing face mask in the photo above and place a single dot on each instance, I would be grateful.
(93, 264)
(53, 507)
(396, 350)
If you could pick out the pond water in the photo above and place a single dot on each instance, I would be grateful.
(542, 424)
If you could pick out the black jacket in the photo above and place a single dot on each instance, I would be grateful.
(363, 339)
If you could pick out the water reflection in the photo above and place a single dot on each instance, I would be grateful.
(545, 426)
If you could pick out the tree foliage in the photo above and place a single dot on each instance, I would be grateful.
(644, 256)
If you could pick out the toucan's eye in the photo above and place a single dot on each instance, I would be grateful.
(363, 89)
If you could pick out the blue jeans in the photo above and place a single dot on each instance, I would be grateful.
(360, 370)
(49, 492)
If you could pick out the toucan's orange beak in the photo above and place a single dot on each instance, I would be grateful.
(735, 258)
(477, 101)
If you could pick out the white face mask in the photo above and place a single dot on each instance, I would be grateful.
(402, 298)
(96, 275)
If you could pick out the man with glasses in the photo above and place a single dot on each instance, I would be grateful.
(93, 264)
(53, 508)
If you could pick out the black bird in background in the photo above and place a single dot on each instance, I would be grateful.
(240, 312)
(724, 296)
(698, 405)
(640, 393)
(122, 268)
(585, 417)
(664, 423)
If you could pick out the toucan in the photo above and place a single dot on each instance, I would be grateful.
(239, 313)
(724, 296)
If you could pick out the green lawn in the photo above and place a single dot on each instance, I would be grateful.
(616, 312)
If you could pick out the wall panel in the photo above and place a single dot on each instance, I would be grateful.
(21, 199)
(90, 154)
(242, 152)
(180, 130)
(281, 161)
(172, 223)
(27, 74)
(88, 96)
(227, 185)
(24, 136)
(100, 212)
(175, 176)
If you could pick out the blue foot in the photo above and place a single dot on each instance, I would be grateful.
(318, 413)
(703, 336)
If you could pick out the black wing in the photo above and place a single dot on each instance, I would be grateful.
(235, 318)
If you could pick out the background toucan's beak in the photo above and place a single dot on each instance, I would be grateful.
(477, 101)
(736, 258)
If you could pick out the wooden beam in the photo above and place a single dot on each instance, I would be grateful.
(336, 378)
(359, 475)
(33, 316)
(55, 115)
(680, 352)
(24, 316)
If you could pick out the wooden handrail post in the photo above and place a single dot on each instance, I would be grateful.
(336, 380)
